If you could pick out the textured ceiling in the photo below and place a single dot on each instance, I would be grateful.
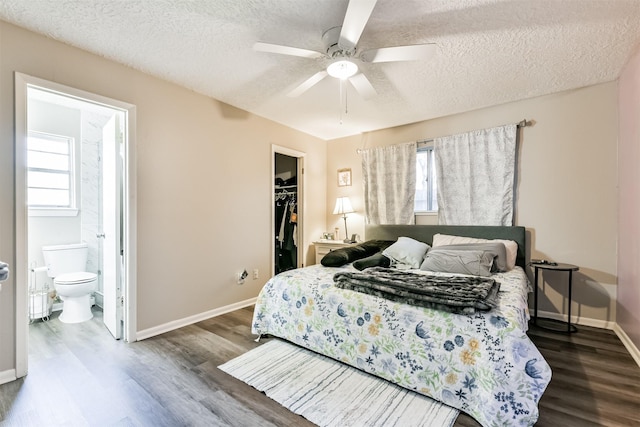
(488, 51)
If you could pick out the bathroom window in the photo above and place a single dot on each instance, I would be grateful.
(50, 172)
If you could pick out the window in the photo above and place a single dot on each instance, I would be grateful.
(426, 186)
(50, 171)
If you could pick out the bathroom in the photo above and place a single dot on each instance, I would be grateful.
(86, 206)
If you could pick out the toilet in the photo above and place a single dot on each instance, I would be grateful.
(66, 264)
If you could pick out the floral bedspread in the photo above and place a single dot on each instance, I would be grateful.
(483, 364)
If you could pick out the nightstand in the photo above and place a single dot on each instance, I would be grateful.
(323, 247)
(570, 268)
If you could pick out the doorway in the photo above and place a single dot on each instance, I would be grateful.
(90, 201)
(288, 184)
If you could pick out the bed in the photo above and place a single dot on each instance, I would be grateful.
(482, 363)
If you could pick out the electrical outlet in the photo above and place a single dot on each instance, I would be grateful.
(240, 276)
(256, 273)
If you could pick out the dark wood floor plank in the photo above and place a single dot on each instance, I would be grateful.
(246, 395)
(595, 381)
(231, 411)
(80, 375)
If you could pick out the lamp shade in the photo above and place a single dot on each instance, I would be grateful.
(343, 206)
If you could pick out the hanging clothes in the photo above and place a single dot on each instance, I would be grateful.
(283, 223)
(286, 226)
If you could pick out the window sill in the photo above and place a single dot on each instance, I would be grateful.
(53, 212)
(426, 213)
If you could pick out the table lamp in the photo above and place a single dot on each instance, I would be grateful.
(343, 207)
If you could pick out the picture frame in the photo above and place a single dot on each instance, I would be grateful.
(344, 177)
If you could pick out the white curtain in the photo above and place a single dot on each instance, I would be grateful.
(389, 175)
(475, 175)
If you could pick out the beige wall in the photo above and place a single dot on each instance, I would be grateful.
(629, 201)
(566, 193)
(204, 183)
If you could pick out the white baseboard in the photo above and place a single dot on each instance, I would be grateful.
(8, 376)
(175, 324)
(585, 321)
(631, 347)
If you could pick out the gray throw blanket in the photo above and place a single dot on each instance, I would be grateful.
(455, 294)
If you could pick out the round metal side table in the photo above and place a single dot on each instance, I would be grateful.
(570, 268)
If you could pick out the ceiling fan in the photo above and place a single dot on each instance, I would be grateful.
(341, 49)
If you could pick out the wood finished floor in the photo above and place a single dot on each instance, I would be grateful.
(80, 376)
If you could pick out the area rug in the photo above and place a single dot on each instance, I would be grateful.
(330, 393)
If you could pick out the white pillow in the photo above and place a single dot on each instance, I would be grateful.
(510, 245)
(406, 252)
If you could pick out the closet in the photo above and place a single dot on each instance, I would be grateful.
(286, 212)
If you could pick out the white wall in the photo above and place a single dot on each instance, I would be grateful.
(53, 230)
(566, 193)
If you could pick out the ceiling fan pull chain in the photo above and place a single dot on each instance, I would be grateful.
(341, 98)
(346, 98)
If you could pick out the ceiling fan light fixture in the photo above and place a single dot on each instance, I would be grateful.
(342, 69)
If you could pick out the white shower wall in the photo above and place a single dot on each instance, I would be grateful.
(91, 183)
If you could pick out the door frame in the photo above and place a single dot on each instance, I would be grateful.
(300, 156)
(22, 82)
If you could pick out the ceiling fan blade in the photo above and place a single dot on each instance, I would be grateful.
(363, 86)
(400, 53)
(358, 13)
(306, 85)
(286, 50)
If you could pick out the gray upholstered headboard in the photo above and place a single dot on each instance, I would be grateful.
(424, 233)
